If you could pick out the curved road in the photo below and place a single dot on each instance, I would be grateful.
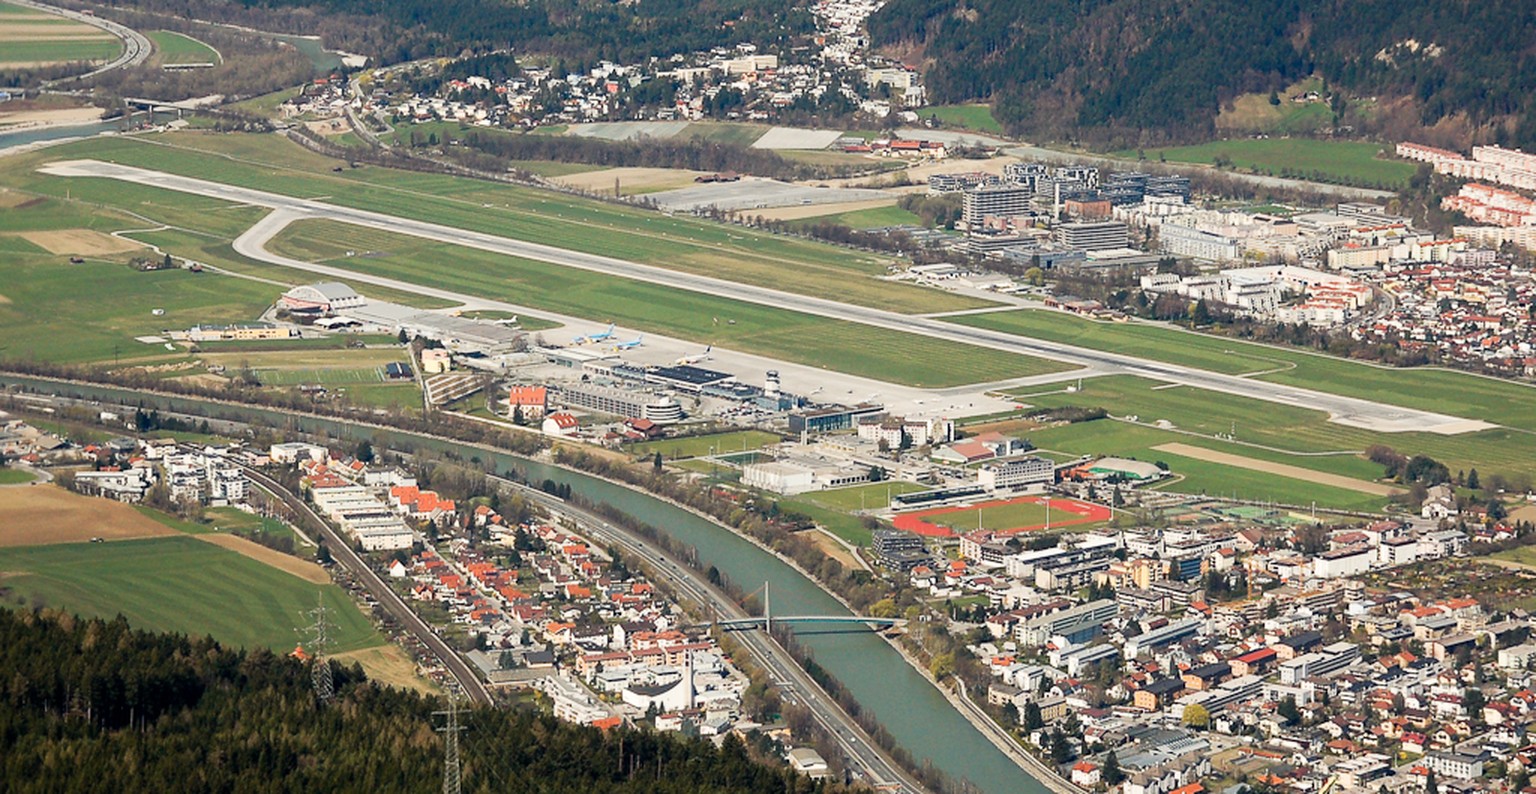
(1349, 411)
(136, 48)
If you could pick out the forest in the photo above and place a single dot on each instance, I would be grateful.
(92, 705)
(1135, 72)
(392, 31)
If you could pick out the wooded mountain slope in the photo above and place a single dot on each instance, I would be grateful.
(1144, 70)
(90, 705)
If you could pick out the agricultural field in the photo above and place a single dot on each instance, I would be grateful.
(1345, 162)
(1444, 391)
(179, 48)
(271, 163)
(838, 345)
(727, 133)
(36, 38)
(699, 446)
(47, 514)
(970, 117)
(181, 584)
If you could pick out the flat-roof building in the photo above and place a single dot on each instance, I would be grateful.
(1093, 236)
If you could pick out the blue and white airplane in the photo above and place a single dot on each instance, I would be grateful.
(631, 344)
(597, 337)
(696, 358)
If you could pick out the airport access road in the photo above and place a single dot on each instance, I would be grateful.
(1351, 411)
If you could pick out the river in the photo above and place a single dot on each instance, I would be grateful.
(28, 136)
(916, 714)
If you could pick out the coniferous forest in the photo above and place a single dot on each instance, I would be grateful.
(1142, 70)
(97, 706)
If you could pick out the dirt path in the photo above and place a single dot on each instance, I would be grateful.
(835, 550)
(308, 571)
(1280, 469)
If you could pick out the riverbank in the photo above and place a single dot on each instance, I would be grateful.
(882, 684)
(983, 723)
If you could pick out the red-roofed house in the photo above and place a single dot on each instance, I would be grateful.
(559, 424)
(530, 401)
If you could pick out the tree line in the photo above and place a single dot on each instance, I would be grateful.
(1129, 71)
(96, 705)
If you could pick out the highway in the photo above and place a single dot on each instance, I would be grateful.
(136, 48)
(787, 676)
(1349, 411)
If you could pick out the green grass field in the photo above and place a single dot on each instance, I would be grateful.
(842, 346)
(1254, 113)
(59, 51)
(1107, 437)
(728, 133)
(1445, 391)
(35, 37)
(552, 168)
(295, 377)
(1347, 162)
(383, 395)
(873, 496)
(1524, 555)
(181, 584)
(871, 218)
(833, 510)
(970, 117)
(271, 163)
(697, 446)
(9, 476)
(1288, 435)
(92, 312)
(175, 48)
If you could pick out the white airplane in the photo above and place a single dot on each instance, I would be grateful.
(694, 359)
(631, 344)
(509, 321)
(597, 337)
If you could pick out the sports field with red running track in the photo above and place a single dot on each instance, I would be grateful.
(1063, 513)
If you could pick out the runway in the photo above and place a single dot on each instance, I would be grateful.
(1348, 411)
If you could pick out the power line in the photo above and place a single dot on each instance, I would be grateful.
(319, 640)
(451, 780)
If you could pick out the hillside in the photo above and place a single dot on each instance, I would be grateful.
(582, 31)
(91, 705)
(1135, 72)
